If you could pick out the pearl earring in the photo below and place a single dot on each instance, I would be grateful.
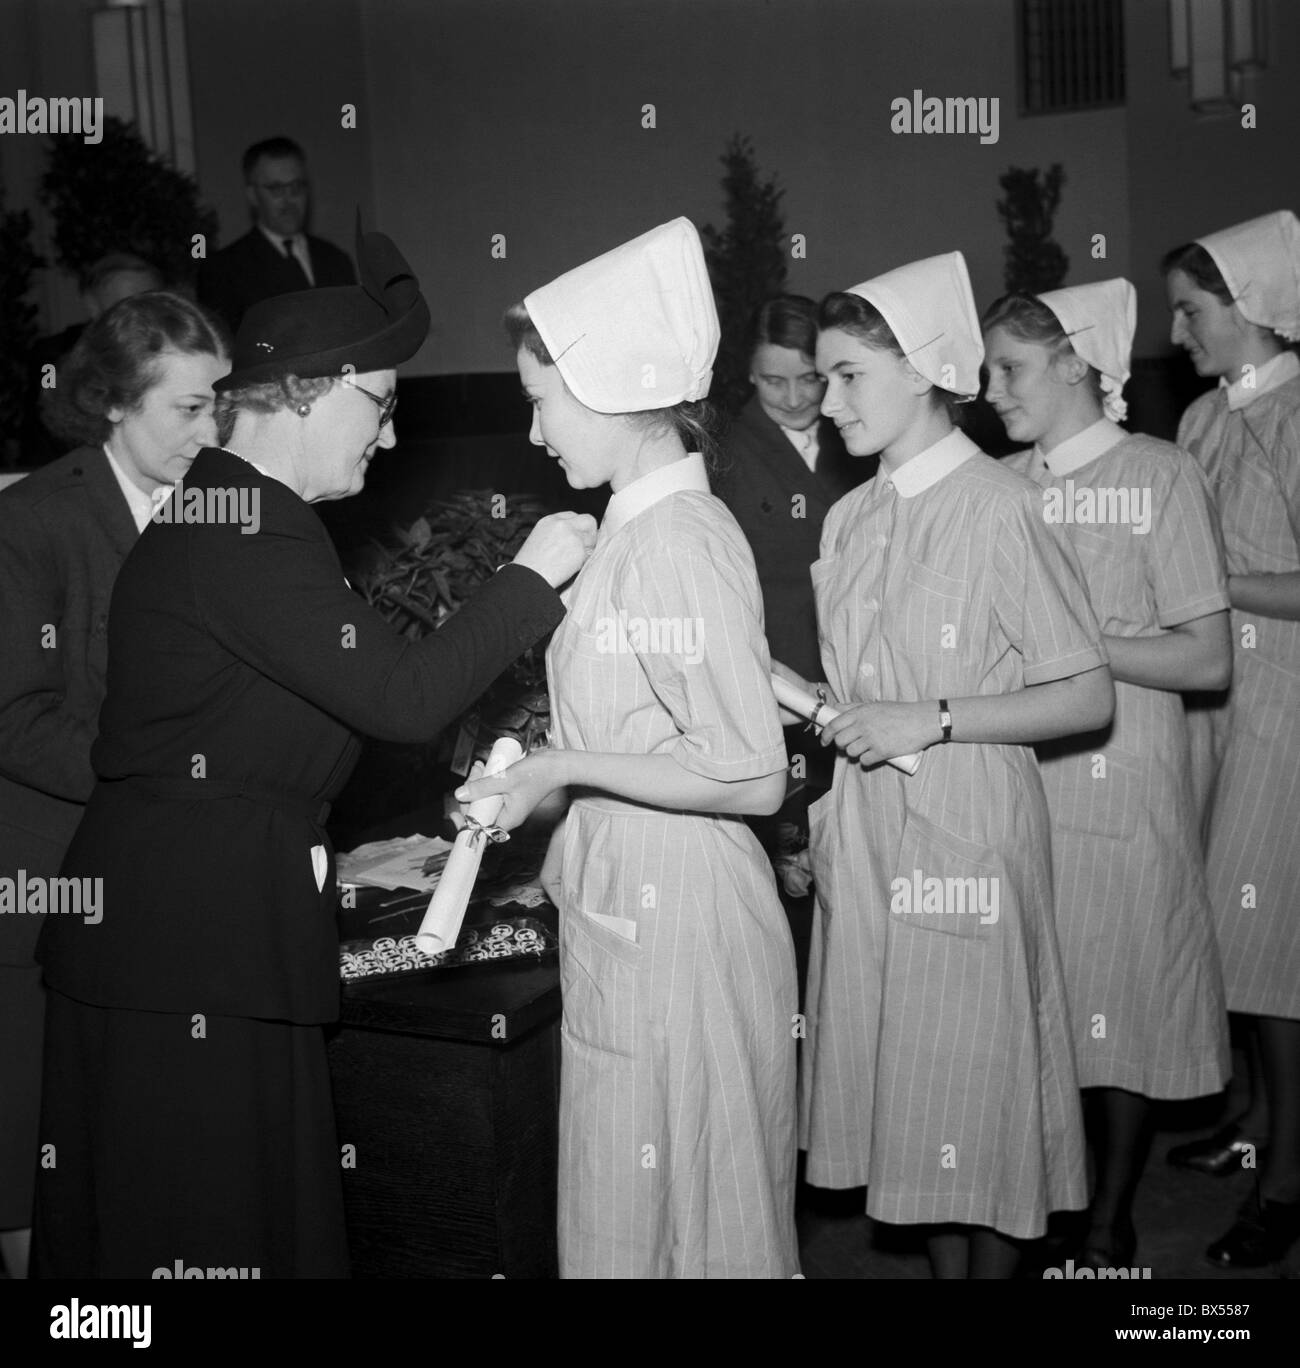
(303, 410)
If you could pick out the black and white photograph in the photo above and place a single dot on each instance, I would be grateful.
(650, 640)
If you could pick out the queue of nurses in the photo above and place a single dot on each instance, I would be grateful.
(958, 620)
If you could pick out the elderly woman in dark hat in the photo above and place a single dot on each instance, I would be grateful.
(187, 1101)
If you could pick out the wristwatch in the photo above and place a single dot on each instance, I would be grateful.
(945, 719)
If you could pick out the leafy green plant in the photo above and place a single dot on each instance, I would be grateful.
(1033, 261)
(430, 568)
(747, 265)
(118, 196)
(18, 261)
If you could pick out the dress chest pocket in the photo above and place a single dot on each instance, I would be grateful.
(928, 615)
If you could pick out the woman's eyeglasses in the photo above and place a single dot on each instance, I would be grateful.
(387, 407)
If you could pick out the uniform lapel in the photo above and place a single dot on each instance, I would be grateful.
(108, 501)
(783, 463)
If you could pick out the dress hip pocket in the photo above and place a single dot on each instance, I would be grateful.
(598, 978)
(944, 882)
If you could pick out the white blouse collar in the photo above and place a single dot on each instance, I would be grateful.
(1274, 372)
(1080, 450)
(928, 467)
(686, 474)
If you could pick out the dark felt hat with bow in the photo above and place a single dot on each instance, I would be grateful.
(313, 333)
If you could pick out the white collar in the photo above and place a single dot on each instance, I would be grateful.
(140, 504)
(928, 467)
(1274, 372)
(688, 473)
(1080, 450)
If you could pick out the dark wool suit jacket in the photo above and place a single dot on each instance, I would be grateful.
(64, 532)
(247, 660)
(760, 474)
(251, 269)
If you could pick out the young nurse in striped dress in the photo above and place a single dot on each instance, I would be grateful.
(953, 622)
(1235, 296)
(1142, 971)
(677, 1123)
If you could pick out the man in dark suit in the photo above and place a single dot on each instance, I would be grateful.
(276, 256)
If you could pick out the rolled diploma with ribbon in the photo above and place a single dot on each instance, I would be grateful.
(440, 928)
(819, 714)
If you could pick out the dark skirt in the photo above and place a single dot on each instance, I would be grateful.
(22, 1020)
(215, 1151)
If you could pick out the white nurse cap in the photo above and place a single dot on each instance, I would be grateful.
(1100, 320)
(636, 328)
(1260, 263)
(931, 311)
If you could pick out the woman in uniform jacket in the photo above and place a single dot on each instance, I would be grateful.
(186, 1091)
(134, 399)
(783, 465)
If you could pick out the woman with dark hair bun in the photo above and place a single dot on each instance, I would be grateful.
(1235, 297)
(135, 395)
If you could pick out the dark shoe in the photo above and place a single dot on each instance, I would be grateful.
(1261, 1235)
(1218, 1155)
(1114, 1248)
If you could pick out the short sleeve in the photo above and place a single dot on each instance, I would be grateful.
(1185, 555)
(1038, 595)
(693, 620)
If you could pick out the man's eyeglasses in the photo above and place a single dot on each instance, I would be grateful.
(387, 407)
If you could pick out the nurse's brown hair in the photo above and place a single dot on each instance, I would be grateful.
(1200, 267)
(854, 315)
(694, 421)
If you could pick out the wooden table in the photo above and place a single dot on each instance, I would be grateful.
(447, 1083)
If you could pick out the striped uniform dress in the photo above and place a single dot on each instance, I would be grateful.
(1132, 913)
(938, 1066)
(677, 1107)
(1248, 443)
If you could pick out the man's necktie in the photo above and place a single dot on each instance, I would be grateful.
(286, 245)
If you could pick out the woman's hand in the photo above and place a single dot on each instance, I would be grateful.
(558, 546)
(871, 733)
(788, 718)
(523, 785)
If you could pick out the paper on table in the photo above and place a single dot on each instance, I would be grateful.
(440, 928)
(397, 863)
(808, 705)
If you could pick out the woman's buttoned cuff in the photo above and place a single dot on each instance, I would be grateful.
(1046, 671)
